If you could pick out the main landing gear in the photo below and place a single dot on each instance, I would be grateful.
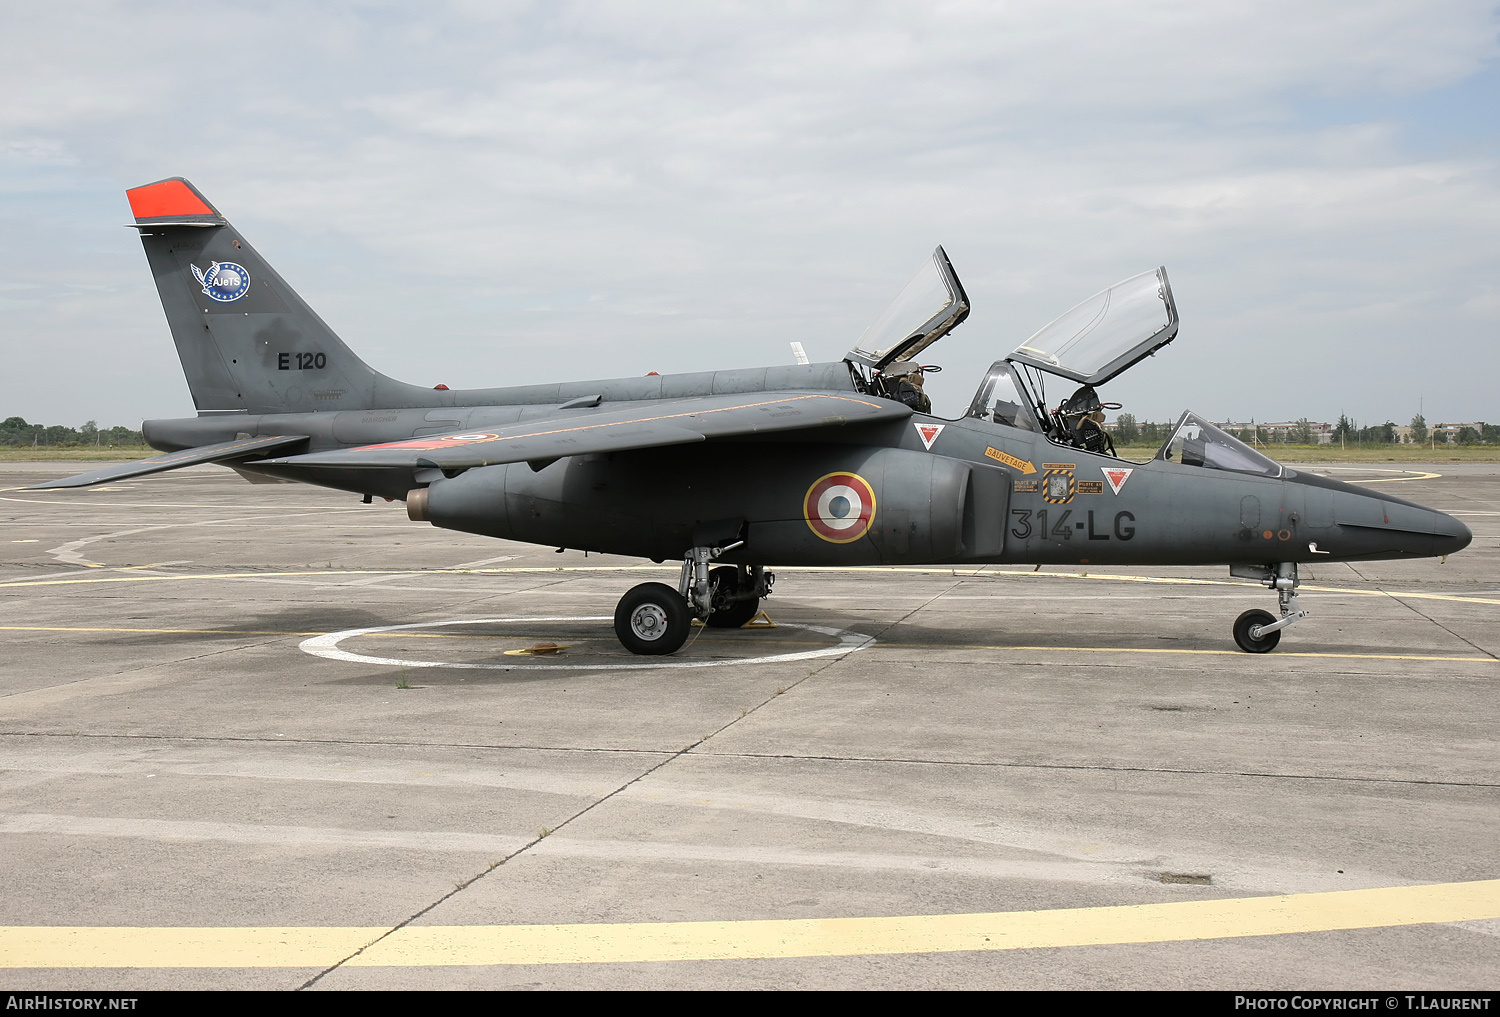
(1259, 631)
(653, 618)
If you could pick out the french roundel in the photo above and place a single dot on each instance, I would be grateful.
(840, 507)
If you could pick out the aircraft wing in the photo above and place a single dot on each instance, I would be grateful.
(240, 448)
(674, 422)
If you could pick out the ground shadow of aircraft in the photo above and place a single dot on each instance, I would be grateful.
(806, 464)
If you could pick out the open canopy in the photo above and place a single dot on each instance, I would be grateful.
(1107, 333)
(928, 308)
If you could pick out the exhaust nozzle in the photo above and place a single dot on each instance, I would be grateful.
(416, 504)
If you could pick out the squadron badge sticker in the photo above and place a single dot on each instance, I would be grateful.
(1058, 483)
(223, 281)
(840, 507)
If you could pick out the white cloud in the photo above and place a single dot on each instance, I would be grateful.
(495, 194)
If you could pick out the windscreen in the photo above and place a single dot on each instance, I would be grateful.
(1196, 442)
(1002, 400)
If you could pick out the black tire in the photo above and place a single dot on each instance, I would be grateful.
(1242, 626)
(727, 614)
(652, 619)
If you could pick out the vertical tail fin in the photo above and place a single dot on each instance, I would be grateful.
(246, 340)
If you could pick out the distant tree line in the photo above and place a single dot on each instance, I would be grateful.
(16, 431)
(1346, 431)
(1130, 431)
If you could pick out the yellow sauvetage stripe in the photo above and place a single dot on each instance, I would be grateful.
(633, 942)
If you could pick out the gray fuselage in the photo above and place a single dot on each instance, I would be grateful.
(983, 492)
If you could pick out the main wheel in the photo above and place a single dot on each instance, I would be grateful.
(1245, 622)
(726, 613)
(652, 619)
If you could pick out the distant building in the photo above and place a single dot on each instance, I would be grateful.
(1280, 432)
(1449, 432)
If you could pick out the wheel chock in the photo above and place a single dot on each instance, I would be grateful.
(539, 650)
(760, 621)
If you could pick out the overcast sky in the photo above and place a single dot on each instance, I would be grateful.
(487, 193)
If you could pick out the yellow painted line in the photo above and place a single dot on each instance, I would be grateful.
(188, 632)
(765, 642)
(1148, 649)
(757, 641)
(1406, 474)
(125, 947)
(1023, 573)
(321, 572)
(762, 642)
(1391, 480)
(244, 632)
(642, 942)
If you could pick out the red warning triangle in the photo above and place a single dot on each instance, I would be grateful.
(929, 433)
(1116, 478)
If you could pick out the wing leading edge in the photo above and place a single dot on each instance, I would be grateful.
(677, 422)
(240, 448)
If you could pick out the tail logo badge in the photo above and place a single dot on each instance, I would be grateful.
(223, 281)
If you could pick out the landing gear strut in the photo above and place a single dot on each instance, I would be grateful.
(1258, 631)
(654, 619)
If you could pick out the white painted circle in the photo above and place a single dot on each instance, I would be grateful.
(853, 507)
(327, 647)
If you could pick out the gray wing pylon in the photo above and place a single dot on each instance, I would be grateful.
(240, 448)
(676, 422)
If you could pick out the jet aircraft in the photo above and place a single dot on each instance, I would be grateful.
(734, 472)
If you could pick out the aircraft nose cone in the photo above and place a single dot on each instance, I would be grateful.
(1420, 525)
(1452, 535)
(1375, 526)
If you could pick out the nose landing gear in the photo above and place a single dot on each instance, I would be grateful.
(1258, 631)
(654, 619)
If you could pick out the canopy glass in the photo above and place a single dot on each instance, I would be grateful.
(1196, 442)
(1107, 333)
(926, 309)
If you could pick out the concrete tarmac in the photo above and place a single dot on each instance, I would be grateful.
(278, 713)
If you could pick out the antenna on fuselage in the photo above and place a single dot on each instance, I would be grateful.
(799, 354)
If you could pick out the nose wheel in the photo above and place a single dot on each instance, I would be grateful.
(1260, 631)
(1250, 632)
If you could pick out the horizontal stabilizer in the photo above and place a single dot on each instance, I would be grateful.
(240, 448)
(675, 422)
